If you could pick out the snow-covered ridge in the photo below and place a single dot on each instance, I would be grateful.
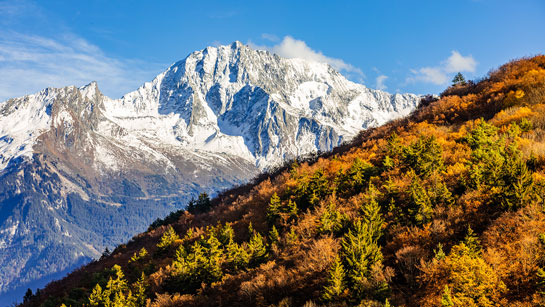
(231, 99)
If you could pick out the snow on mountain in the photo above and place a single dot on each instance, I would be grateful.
(81, 171)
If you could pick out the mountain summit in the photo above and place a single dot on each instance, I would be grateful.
(80, 171)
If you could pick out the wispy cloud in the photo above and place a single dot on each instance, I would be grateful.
(270, 37)
(52, 56)
(29, 63)
(442, 73)
(290, 47)
(380, 82)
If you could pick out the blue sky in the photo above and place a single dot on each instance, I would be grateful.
(399, 46)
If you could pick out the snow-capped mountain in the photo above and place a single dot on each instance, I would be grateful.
(80, 171)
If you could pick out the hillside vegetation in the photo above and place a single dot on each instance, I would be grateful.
(444, 208)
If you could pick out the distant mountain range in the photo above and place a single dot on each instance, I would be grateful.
(80, 172)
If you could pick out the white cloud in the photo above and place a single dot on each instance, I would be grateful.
(380, 82)
(270, 37)
(442, 74)
(459, 63)
(29, 63)
(433, 75)
(290, 47)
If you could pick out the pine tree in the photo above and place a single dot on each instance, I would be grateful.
(331, 221)
(274, 236)
(291, 209)
(28, 295)
(215, 258)
(226, 234)
(518, 181)
(361, 252)
(273, 210)
(203, 203)
(237, 256)
(371, 213)
(420, 207)
(140, 287)
(459, 79)
(357, 176)
(257, 250)
(425, 156)
(291, 237)
(335, 283)
(168, 239)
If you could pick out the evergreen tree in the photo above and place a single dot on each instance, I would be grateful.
(518, 182)
(371, 213)
(459, 79)
(28, 295)
(360, 251)
(273, 210)
(425, 156)
(140, 287)
(226, 234)
(291, 209)
(274, 236)
(291, 237)
(215, 258)
(335, 283)
(331, 221)
(420, 208)
(168, 239)
(237, 256)
(257, 250)
(356, 177)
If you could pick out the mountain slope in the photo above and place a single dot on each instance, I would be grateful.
(81, 172)
(444, 207)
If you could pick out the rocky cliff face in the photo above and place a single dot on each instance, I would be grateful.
(80, 171)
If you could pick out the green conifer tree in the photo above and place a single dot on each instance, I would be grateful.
(336, 281)
(420, 208)
(168, 239)
(459, 79)
(360, 251)
(273, 210)
(274, 236)
(291, 209)
(257, 250)
(371, 213)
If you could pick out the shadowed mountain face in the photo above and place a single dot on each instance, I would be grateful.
(80, 172)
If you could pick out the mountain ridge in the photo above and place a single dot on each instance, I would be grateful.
(211, 121)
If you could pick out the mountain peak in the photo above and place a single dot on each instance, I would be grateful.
(90, 90)
(237, 45)
(213, 120)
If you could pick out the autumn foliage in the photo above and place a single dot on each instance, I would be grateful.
(443, 208)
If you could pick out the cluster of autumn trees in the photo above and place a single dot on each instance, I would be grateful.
(444, 208)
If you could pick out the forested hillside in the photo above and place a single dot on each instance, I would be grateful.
(443, 208)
